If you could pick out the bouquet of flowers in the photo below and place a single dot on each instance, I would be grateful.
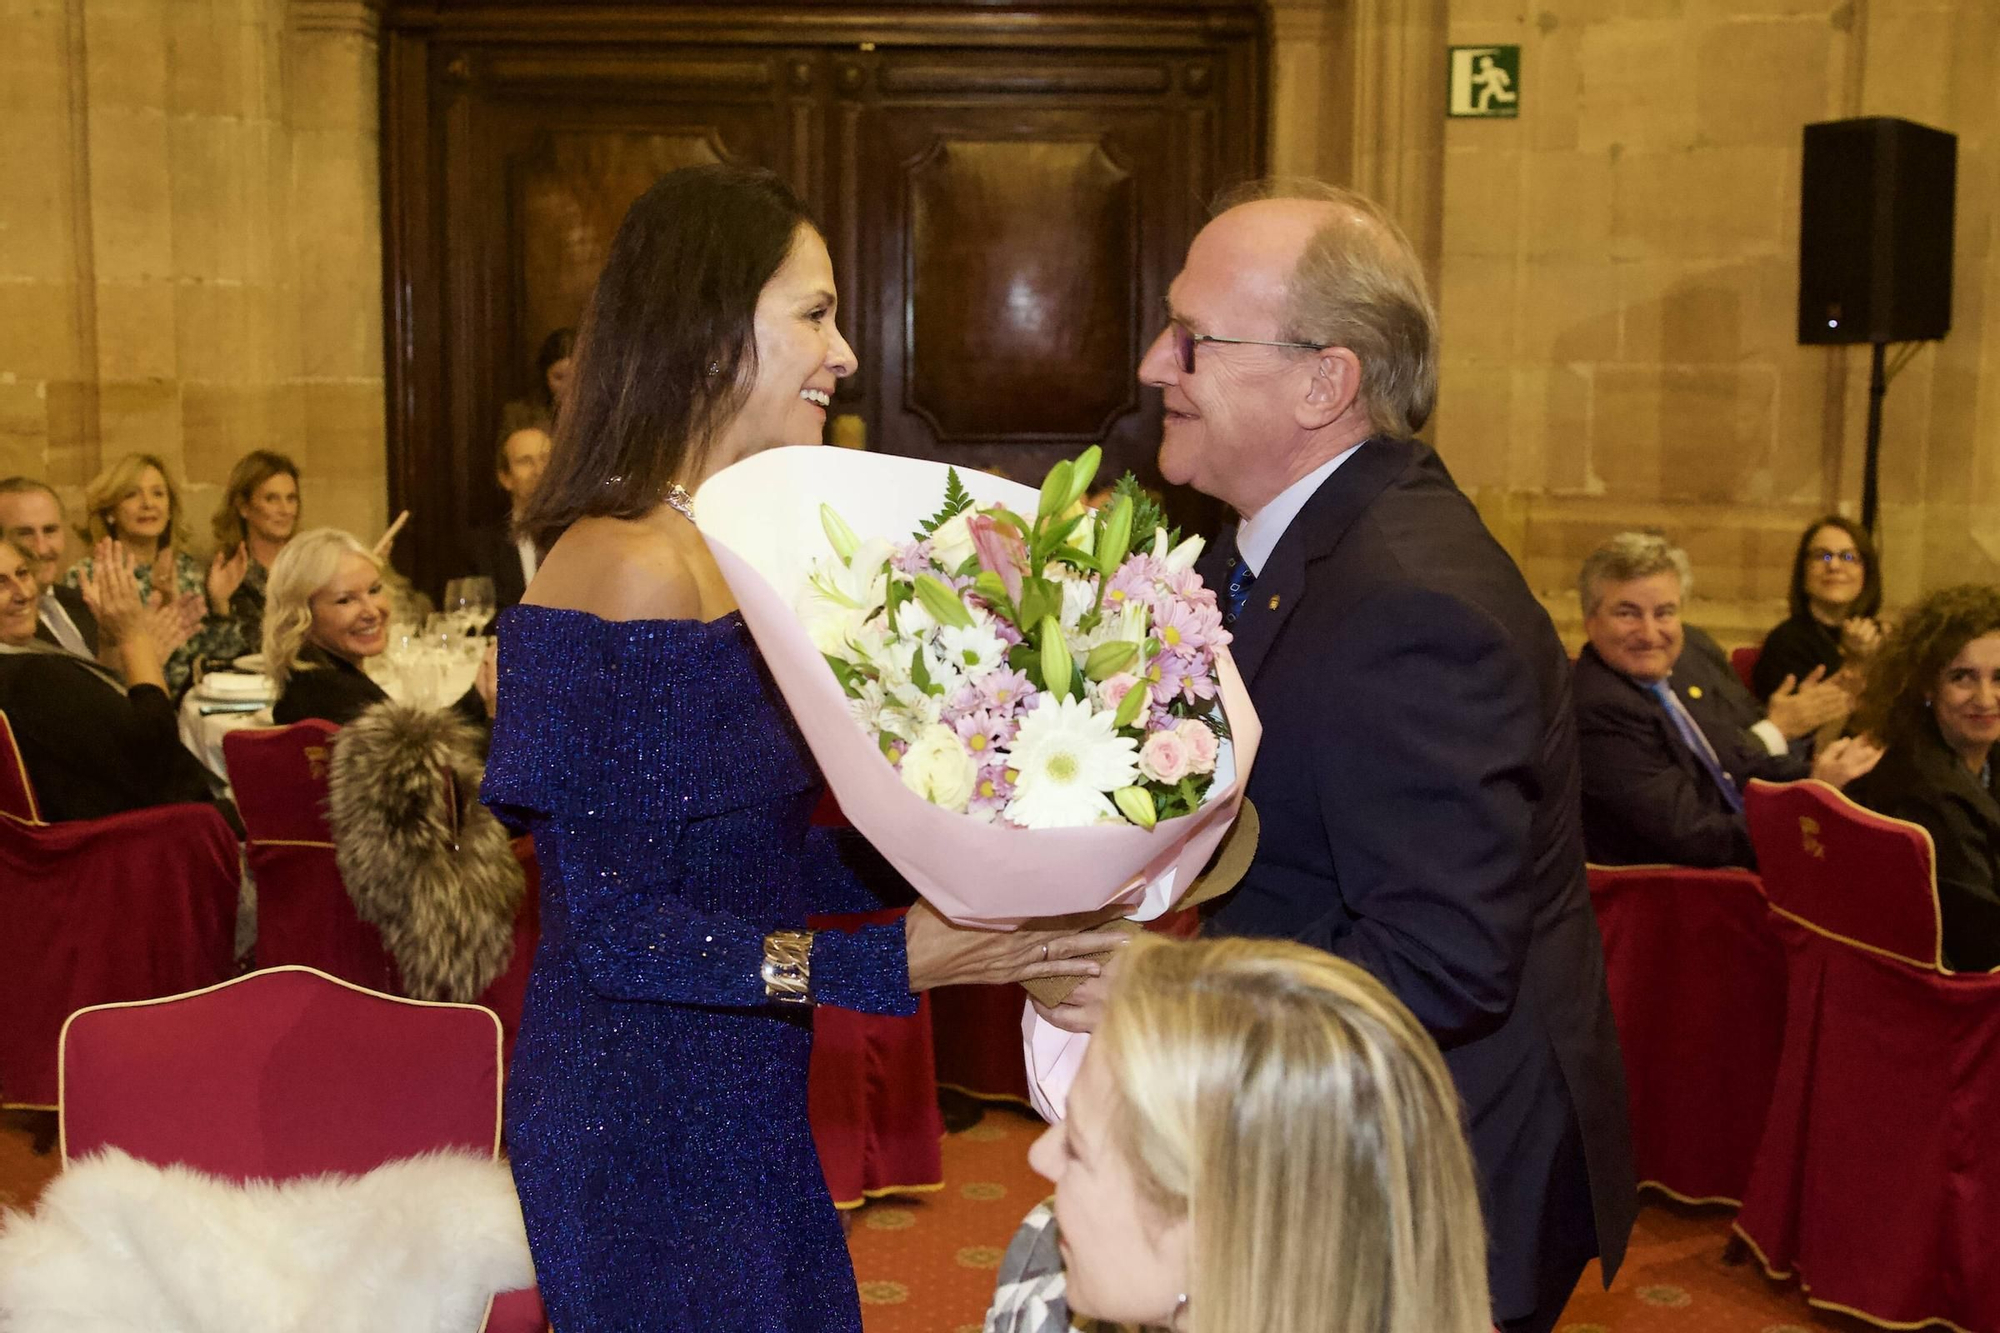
(1043, 672)
(1027, 707)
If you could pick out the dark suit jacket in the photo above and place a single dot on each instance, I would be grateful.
(329, 688)
(79, 613)
(92, 748)
(334, 690)
(1924, 782)
(1706, 682)
(1647, 800)
(490, 550)
(1417, 787)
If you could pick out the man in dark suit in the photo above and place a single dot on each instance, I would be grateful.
(493, 550)
(31, 516)
(1417, 780)
(1667, 743)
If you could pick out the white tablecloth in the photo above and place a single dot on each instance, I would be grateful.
(202, 732)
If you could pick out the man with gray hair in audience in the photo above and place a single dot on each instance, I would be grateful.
(31, 516)
(1665, 746)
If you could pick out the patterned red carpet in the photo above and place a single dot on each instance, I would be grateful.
(926, 1262)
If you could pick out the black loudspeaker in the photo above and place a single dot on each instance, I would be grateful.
(1875, 223)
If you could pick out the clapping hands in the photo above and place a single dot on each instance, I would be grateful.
(225, 576)
(1801, 707)
(110, 588)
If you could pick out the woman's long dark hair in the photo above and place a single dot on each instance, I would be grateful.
(667, 350)
(1870, 600)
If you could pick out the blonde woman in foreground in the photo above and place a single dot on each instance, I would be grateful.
(1261, 1140)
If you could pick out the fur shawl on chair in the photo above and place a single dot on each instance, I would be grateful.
(117, 1245)
(424, 861)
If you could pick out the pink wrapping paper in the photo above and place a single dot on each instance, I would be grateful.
(761, 520)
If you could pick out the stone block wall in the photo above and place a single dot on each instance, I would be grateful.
(190, 259)
(190, 249)
(1616, 275)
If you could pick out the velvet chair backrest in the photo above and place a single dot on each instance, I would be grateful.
(1847, 871)
(281, 1073)
(1696, 977)
(1745, 662)
(17, 794)
(126, 907)
(304, 915)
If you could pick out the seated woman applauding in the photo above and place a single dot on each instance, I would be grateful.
(325, 615)
(93, 745)
(1261, 1140)
(1933, 699)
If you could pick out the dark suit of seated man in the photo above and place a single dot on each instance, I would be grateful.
(1666, 745)
(493, 550)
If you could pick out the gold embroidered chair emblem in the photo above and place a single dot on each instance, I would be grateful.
(1809, 837)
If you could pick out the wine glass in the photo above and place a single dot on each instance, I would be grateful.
(476, 595)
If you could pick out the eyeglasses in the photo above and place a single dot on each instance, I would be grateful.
(1819, 555)
(1186, 338)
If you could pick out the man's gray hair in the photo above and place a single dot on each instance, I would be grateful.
(1628, 556)
(1360, 285)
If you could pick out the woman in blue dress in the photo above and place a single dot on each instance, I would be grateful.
(656, 1106)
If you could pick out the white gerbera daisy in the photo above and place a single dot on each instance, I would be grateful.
(1068, 757)
(973, 651)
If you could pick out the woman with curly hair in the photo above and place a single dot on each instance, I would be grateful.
(1836, 593)
(1933, 699)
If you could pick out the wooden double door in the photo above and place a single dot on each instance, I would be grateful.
(1006, 196)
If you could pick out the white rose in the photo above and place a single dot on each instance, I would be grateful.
(938, 768)
(951, 544)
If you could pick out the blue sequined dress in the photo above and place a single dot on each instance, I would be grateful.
(656, 1106)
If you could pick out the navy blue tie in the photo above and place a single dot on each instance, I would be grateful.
(1691, 736)
(1237, 591)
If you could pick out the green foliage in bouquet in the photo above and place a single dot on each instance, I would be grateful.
(956, 501)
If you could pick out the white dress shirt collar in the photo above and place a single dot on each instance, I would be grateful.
(1258, 536)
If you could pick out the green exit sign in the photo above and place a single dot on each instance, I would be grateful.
(1485, 82)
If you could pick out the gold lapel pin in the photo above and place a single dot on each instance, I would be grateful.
(1274, 601)
(1694, 691)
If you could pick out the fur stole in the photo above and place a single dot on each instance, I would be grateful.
(423, 860)
(117, 1245)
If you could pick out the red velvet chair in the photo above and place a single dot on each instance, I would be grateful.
(872, 1095)
(1864, 876)
(17, 794)
(1697, 983)
(1745, 662)
(121, 908)
(1875, 1182)
(286, 1073)
(872, 1091)
(304, 915)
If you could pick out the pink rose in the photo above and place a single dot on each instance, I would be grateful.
(1111, 691)
(1165, 757)
(1201, 744)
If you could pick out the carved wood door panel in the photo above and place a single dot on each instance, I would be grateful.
(537, 157)
(1005, 198)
